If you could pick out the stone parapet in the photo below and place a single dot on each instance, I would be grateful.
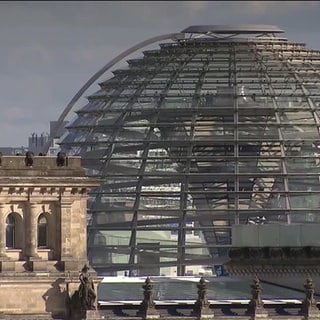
(42, 165)
(47, 295)
(33, 295)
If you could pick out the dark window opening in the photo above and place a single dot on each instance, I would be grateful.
(42, 232)
(10, 232)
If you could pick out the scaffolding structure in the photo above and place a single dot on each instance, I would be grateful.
(217, 127)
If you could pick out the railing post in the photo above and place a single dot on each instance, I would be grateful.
(202, 305)
(255, 307)
(309, 307)
(147, 307)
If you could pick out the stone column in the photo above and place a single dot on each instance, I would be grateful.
(32, 231)
(65, 208)
(67, 254)
(2, 231)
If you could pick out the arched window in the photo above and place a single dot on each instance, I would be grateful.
(42, 231)
(10, 231)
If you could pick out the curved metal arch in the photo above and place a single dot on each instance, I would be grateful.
(99, 74)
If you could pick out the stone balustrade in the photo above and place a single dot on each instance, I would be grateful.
(202, 308)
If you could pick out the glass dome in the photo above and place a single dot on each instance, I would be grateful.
(216, 128)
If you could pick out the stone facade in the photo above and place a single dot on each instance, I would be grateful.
(42, 234)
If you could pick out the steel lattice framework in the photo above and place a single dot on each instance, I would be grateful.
(217, 127)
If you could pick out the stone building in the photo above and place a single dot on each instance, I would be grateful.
(42, 234)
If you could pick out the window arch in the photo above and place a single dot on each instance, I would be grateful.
(42, 231)
(10, 231)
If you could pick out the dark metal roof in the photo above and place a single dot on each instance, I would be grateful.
(237, 29)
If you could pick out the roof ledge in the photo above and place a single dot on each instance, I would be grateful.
(233, 29)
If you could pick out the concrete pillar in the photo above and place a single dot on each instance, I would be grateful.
(32, 231)
(2, 231)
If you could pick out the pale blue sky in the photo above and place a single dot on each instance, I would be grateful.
(50, 49)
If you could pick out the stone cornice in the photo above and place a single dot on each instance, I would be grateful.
(47, 181)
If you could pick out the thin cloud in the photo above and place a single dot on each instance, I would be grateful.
(50, 49)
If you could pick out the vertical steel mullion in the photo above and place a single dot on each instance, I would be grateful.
(283, 158)
(133, 236)
(306, 93)
(185, 183)
(120, 120)
(236, 135)
(310, 102)
(183, 205)
(134, 221)
(281, 141)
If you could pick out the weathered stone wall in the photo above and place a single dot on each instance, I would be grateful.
(37, 279)
(29, 296)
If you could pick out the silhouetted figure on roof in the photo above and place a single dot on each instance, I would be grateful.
(61, 159)
(28, 160)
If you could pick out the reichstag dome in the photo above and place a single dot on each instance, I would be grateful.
(215, 127)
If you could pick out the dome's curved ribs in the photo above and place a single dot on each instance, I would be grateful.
(116, 94)
(300, 82)
(98, 116)
(206, 222)
(313, 106)
(138, 95)
(304, 114)
(122, 118)
(181, 254)
(105, 158)
(212, 199)
(141, 171)
(233, 83)
(98, 74)
(306, 92)
(163, 93)
(89, 137)
(260, 199)
(251, 151)
(118, 124)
